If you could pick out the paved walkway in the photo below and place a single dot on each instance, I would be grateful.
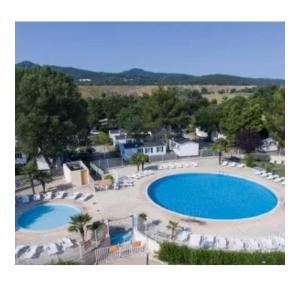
(133, 200)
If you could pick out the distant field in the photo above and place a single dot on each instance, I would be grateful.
(97, 90)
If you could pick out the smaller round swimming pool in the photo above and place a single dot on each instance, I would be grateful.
(121, 236)
(46, 216)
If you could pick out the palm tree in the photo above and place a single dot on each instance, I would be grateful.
(30, 170)
(172, 226)
(221, 145)
(142, 218)
(139, 159)
(43, 177)
(94, 227)
(78, 224)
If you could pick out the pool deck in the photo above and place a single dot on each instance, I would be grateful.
(113, 204)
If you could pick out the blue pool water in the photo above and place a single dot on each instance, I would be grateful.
(120, 237)
(46, 216)
(212, 196)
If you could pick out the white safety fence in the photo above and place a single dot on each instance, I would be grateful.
(109, 253)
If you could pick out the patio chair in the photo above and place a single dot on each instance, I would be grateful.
(36, 197)
(60, 195)
(194, 240)
(241, 165)
(85, 196)
(66, 243)
(183, 236)
(208, 241)
(220, 243)
(48, 196)
(51, 249)
(252, 245)
(32, 252)
(24, 199)
(266, 174)
(279, 179)
(236, 245)
(20, 249)
(75, 195)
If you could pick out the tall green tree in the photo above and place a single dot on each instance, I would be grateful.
(221, 145)
(49, 112)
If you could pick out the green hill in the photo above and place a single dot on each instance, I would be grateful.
(137, 76)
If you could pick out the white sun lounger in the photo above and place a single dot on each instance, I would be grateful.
(48, 196)
(241, 165)
(260, 171)
(51, 249)
(36, 197)
(220, 243)
(74, 196)
(266, 244)
(125, 184)
(252, 245)
(270, 177)
(60, 195)
(279, 179)
(85, 197)
(24, 199)
(66, 243)
(208, 241)
(236, 245)
(225, 163)
(31, 252)
(182, 236)
(20, 249)
(283, 182)
(194, 164)
(279, 242)
(266, 174)
(194, 240)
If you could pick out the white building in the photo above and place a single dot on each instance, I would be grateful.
(184, 147)
(76, 173)
(114, 133)
(269, 145)
(215, 135)
(20, 158)
(201, 133)
(150, 148)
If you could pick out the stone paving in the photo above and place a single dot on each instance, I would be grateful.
(133, 200)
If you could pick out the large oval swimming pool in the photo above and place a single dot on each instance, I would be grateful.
(212, 196)
(46, 216)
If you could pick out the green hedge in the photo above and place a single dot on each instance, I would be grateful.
(182, 255)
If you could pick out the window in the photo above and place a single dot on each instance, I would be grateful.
(149, 150)
(160, 149)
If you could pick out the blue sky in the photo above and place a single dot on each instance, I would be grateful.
(245, 49)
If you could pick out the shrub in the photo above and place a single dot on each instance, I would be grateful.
(109, 176)
(249, 161)
(182, 255)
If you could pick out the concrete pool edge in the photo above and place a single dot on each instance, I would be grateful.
(24, 230)
(271, 190)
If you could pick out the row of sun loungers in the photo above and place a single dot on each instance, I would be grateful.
(270, 176)
(50, 195)
(233, 164)
(186, 237)
(275, 243)
(177, 165)
(34, 251)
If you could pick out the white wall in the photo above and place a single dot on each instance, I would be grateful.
(187, 149)
(154, 150)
